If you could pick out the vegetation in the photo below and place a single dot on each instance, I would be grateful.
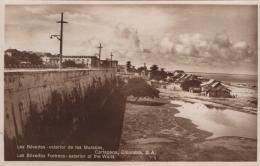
(157, 74)
(140, 69)
(187, 84)
(129, 67)
(138, 87)
(22, 57)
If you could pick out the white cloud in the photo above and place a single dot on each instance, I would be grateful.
(165, 35)
(166, 45)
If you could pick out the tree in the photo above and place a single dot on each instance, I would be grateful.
(17, 57)
(10, 60)
(128, 66)
(140, 69)
(187, 84)
(154, 68)
(157, 74)
(133, 69)
(163, 74)
(154, 72)
(170, 74)
(34, 59)
(138, 87)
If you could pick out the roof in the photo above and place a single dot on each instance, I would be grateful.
(187, 77)
(183, 75)
(178, 75)
(178, 71)
(219, 88)
(211, 81)
(181, 78)
(80, 56)
(214, 85)
(192, 77)
(105, 60)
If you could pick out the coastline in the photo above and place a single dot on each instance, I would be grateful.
(245, 100)
(173, 138)
(156, 128)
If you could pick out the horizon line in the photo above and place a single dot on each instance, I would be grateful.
(224, 73)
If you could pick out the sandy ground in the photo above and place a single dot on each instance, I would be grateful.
(154, 133)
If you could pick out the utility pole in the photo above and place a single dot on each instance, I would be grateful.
(111, 55)
(60, 37)
(99, 54)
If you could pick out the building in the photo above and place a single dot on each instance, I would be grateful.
(144, 74)
(108, 63)
(214, 88)
(158, 84)
(49, 59)
(114, 64)
(181, 78)
(178, 72)
(202, 79)
(174, 87)
(195, 89)
(185, 77)
(121, 69)
(45, 60)
(8, 53)
(86, 61)
(54, 61)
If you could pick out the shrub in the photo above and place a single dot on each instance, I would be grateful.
(138, 87)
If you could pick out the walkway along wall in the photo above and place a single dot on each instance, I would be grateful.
(62, 107)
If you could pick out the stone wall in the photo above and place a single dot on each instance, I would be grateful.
(22, 89)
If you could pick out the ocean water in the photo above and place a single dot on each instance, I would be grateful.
(218, 121)
(237, 78)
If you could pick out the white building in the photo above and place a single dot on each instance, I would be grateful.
(87, 61)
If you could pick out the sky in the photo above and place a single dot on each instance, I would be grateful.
(194, 38)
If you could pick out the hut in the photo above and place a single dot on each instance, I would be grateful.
(214, 88)
(186, 77)
(174, 87)
(158, 84)
(178, 72)
(180, 79)
(195, 89)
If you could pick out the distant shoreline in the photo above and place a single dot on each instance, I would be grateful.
(223, 73)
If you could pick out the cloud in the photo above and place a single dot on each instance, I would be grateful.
(197, 49)
(222, 40)
(168, 35)
(129, 34)
(167, 45)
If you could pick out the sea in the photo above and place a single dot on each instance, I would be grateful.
(236, 78)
